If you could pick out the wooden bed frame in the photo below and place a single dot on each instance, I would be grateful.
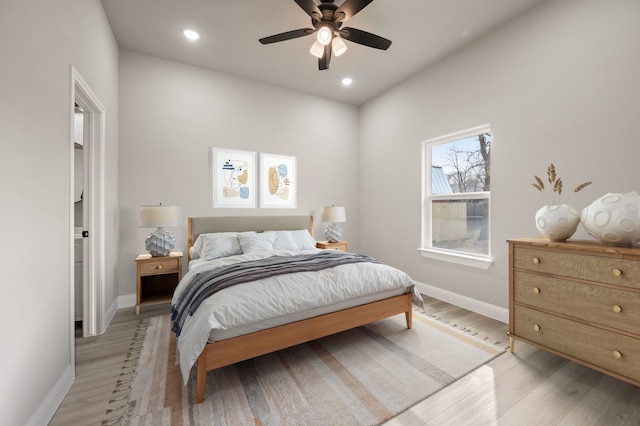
(230, 351)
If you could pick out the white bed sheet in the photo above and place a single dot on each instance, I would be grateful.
(278, 300)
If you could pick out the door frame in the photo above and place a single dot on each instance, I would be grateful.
(93, 283)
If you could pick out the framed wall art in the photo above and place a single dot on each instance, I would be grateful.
(278, 182)
(234, 178)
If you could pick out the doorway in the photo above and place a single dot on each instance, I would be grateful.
(78, 213)
(87, 202)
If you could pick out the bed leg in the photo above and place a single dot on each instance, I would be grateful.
(409, 316)
(201, 376)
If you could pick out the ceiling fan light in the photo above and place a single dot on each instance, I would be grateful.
(317, 49)
(325, 34)
(339, 46)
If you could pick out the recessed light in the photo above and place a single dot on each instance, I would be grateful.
(191, 34)
(346, 81)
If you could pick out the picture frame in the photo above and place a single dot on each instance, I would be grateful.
(233, 178)
(278, 181)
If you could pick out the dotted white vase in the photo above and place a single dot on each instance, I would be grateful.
(557, 222)
(160, 242)
(614, 219)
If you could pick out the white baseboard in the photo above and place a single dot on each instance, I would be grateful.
(126, 301)
(111, 312)
(474, 305)
(47, 409)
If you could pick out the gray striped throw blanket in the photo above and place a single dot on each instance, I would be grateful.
(207, 283)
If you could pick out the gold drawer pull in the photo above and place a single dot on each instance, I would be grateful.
(536, 290)
(536, 327)
(617, 355)
(536, 260)
(159, 267)
(616, 272)
(617, 309)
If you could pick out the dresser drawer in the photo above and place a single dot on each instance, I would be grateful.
(161, 265)
(592, 303)
(610, 270)
(605, 349)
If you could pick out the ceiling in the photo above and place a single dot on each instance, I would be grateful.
(422, 32)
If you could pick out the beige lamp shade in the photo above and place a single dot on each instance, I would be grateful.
(159, 216)
(333, 214)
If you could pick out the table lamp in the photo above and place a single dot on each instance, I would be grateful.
(333, 215)
(160, 242)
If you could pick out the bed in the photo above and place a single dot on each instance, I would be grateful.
(211, 336)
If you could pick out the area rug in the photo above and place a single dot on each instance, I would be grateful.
(363, 376)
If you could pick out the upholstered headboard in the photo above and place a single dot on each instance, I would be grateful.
(203, 225)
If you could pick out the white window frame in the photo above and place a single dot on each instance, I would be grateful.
(426, 248)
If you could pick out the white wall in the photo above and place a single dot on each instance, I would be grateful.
(559, 84)
(39, 39)
(171, 113)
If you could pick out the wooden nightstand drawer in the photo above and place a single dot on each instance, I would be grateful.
(592, 303)
(602, 269)
(604, 349)
(160, 265)
(340, 245)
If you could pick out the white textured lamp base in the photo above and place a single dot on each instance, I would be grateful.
(160, 243)
(333, 233)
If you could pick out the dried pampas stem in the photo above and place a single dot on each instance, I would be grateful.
(551, 173)
(582, 186)
(557, 187)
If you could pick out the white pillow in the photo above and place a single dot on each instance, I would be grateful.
(282, 240)
(256, 242)
(196, 249)
(215, 245)
(193, 253)
(303, 239)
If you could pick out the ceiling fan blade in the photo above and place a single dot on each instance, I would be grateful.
(323, 63)
(286, 36)
(367, 39)
(350, 8)
(310, 8)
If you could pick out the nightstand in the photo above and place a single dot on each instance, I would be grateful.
(157, 278)
(340, 245)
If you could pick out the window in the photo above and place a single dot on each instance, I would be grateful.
(456, 196)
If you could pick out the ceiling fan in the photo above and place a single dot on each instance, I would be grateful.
(327, 19)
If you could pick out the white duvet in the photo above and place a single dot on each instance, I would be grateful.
(270, 298)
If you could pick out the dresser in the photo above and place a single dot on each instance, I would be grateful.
(579, 300)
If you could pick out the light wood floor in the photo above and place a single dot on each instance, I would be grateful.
(98, 394)
(529, 387)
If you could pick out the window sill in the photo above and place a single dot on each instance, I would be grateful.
(458, 258)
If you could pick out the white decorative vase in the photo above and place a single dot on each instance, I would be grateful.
(614, 219)
(160, 242)
(557, 222)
